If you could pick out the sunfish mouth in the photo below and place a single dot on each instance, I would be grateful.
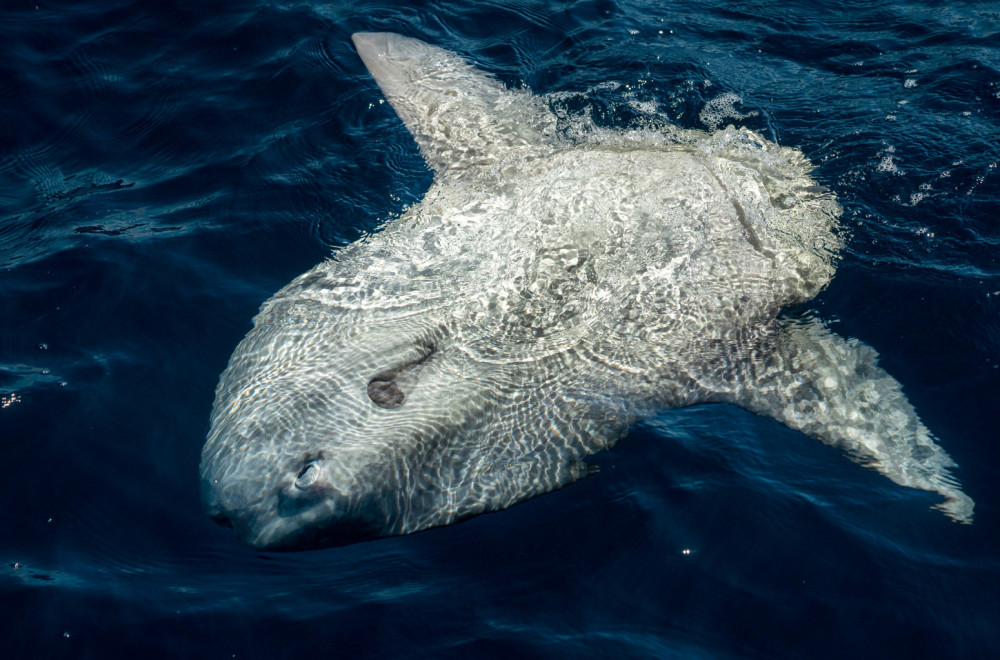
(305, 514)
(286, 535)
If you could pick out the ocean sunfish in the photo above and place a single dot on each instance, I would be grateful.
(553, 287)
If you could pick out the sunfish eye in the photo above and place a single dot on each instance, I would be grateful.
(307, 476)
(385, 393)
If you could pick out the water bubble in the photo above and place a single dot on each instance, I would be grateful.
(887, 165)
(721, 108)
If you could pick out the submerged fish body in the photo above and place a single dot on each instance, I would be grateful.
(545, 294)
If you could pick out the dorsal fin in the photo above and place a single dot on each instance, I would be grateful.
(458, 115)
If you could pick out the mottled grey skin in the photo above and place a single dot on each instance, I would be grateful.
(556, 284)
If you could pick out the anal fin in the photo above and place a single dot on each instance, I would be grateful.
(832, 388)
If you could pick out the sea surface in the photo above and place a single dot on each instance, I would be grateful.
(167, 166)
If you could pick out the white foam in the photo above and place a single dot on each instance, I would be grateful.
(722, 108)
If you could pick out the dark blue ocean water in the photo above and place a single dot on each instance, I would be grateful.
(166, 166)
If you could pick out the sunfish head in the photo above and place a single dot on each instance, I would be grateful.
(279, 504)
(327, 432)
(317, 431)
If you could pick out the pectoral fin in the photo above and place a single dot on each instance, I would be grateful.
(832, 388)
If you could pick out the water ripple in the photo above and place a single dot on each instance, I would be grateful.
(165, 167)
